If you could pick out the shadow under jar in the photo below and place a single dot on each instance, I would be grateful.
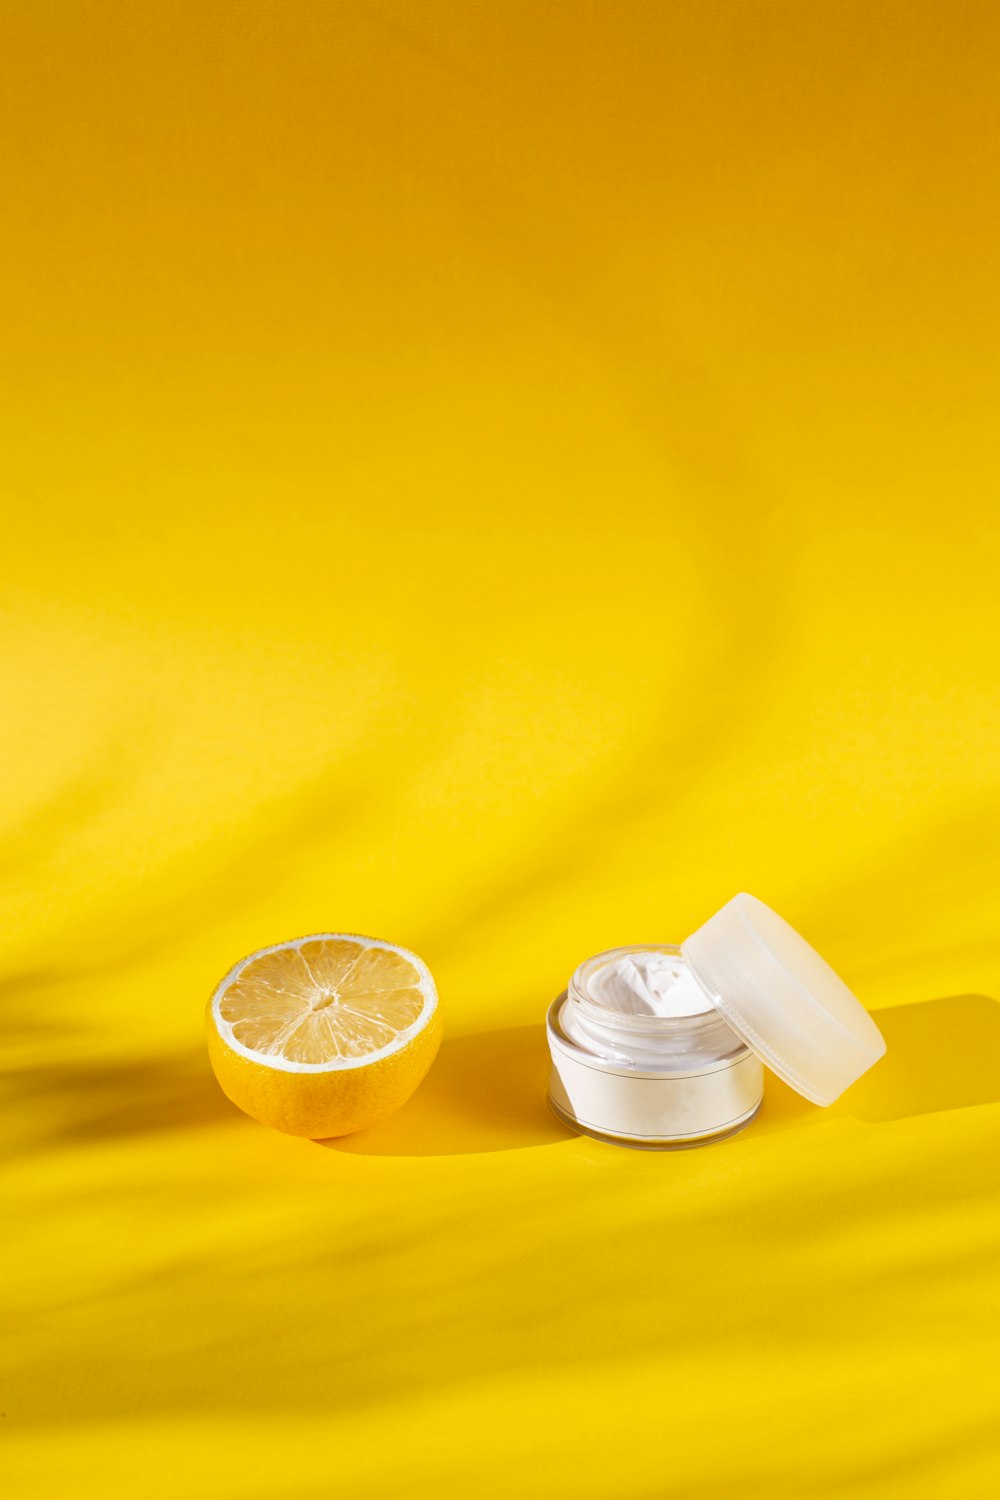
(661, 1046)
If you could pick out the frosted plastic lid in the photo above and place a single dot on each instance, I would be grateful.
(785, 1001)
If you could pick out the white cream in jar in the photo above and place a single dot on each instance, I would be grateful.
(655, 1045)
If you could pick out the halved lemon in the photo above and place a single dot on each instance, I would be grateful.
(323, 1035)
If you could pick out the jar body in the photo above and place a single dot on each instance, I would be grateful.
(647, 1079)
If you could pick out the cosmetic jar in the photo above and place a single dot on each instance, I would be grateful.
(659, 1046)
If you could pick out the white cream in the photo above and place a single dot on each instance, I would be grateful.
(649, 983)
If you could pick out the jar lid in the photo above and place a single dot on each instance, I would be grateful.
(783, 1000)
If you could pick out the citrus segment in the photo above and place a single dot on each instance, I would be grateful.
(323, 1035)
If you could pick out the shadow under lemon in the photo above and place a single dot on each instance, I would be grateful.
(483, 1093)
(488, 1092)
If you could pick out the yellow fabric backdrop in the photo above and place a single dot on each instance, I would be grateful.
(500, 476)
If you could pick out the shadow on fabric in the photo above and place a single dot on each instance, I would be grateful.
(940, 1054)
(484, 1093)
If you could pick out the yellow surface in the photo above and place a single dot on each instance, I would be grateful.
(503, 477)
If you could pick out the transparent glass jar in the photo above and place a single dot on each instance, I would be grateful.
(645, 1079)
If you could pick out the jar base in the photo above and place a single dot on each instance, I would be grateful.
(682, 1144)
